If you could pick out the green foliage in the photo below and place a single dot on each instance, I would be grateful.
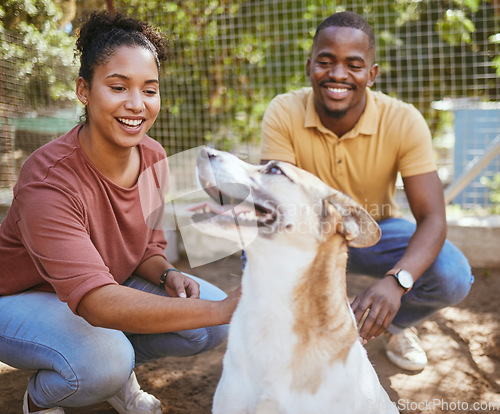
(455, 27)
(495, 39)
(237, 56)
(439, 49)
(37, 55)
(229, 59)
(494, 185)
(224, 51)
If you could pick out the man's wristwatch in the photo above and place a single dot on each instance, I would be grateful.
(403, 277)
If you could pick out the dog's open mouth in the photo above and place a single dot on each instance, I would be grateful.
(231, 205)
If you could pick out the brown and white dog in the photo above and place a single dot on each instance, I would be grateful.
(293, 346)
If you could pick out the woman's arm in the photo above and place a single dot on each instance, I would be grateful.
(123, 308)
(131, 310)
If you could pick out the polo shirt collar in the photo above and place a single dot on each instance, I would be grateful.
(366, 125)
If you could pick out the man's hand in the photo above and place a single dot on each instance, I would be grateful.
(179, 285)
(382, 301)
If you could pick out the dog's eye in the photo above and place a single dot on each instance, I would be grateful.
(274, 170)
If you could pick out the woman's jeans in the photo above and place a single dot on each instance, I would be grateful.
(446, 282)
(78, 364)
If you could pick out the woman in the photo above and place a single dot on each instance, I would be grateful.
(87, 291)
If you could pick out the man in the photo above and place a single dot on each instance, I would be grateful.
(357, 141)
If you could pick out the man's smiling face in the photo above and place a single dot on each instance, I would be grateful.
(340, 68)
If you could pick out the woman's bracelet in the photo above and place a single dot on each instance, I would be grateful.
(163, 277)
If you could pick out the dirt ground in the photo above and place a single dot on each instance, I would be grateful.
(463, 345)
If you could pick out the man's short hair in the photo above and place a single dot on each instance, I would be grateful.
(347, 19)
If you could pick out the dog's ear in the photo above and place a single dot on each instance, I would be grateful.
(355, 224)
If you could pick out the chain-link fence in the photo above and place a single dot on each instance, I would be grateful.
(229, 59)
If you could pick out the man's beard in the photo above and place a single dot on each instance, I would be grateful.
(337, 114)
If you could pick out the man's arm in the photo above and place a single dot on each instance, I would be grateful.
(425, 196)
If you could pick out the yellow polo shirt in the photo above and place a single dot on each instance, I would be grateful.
(390, 137)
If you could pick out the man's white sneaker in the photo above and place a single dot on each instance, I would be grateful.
(132, 400)
(405, 350)
(26, 410)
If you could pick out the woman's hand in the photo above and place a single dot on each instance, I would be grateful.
(179, 285)
(228, 305)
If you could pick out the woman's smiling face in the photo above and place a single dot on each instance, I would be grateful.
(123, 97)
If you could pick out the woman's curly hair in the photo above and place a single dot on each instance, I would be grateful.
(102, 33)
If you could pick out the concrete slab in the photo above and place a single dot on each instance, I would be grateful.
(478, 238)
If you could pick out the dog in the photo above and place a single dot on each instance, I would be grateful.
(293, 345)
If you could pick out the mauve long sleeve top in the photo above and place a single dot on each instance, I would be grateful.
(70, 230)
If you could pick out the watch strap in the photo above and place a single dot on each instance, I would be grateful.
(394, 273)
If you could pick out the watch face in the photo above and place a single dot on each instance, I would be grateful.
(405, 278)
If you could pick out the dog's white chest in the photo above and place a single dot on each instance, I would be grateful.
(259, 364)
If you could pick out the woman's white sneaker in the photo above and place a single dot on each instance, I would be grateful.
(132, 400)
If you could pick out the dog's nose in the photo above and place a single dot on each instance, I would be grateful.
(205, 155)
(211, 153)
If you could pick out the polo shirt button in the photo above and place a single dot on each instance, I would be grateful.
(339, 161)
